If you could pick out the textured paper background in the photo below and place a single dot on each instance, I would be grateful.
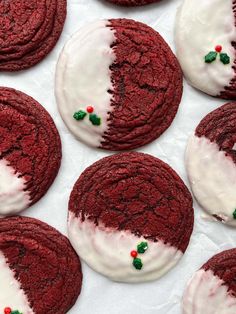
(99, 295)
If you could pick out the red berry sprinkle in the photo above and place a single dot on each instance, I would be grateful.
(7, 310)
(134, 254)
(218, 48)
(90, 109)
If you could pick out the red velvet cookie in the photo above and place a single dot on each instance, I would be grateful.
(130, 217)
(30, 151)
(132, 2)
(219, 126)
(118, 84)
(39, 270)
(213, 286)
(205, 45)
(211, 163)
(29, 31)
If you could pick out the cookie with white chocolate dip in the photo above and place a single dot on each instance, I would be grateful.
(205, 43)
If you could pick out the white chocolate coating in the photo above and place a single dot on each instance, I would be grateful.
(108, 252)
(83, 79)
(11, 293)
(206, 293)
(200, 26)
(212, 176)
(13, 198)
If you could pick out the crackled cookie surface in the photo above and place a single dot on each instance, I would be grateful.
(130, 217)
(118, 84)
(29, 30)
(212, 289)
(39, 270)
(211, 163)
(205, 40)
(30, 151)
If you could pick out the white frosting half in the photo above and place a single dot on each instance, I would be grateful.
(11, 294)
(83, 78)
(108, 252)
(213, 177)
(201, 25)
(206, 293)
(13, 198)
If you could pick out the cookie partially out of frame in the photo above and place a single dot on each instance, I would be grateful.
(130, 217)
(118, 84)
(211, 163)
(30, 151)
(212, 288)
(29, 31)
(205, 42)
(39, 270)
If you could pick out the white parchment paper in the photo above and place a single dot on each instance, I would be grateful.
(99, 295)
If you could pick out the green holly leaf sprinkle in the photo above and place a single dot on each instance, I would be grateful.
(142, 247)
(234, 214)
(80, 115)
(224, 58)
(94, 119)
(211, 56)
(16, 312)
(137, 263)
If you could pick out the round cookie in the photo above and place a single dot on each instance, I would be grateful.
(118, 84)
(211, 163)
(205, 42)
(212, 289)
(29, 31)
(39, 270)
(130, 217)
(132, 2)
(30, 151)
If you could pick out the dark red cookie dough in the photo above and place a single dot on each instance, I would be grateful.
(132, 2)
(147, 82)
(223, 265)
(212, 289)
(29, 141)
(29, 31)
(138, 193)
(142, 89)
(44, 263)
(210, 163)
(219, 126)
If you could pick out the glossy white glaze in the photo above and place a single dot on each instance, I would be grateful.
(107, 251)
(13, 198)
(207, 293)
(83, 78)
(200, 26)
(212, 176)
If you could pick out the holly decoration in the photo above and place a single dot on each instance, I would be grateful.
(93, 118)
(234, 214)
(224, 58)
(90, 109)
(212, 55)
(134, 254)
(137, 262)
(80, 115)
(8, 310)
(141, 249)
